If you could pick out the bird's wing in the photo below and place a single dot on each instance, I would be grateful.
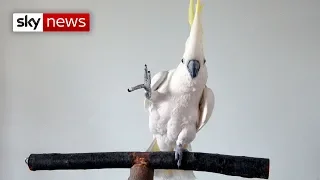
(158, 79)
(205, 107)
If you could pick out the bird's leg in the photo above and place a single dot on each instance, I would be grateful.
(186, 136)
(179, 153)
(146, 85)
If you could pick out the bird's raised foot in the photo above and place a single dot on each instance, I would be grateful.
(146, 85)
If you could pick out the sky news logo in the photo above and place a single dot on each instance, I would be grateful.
(51, 22)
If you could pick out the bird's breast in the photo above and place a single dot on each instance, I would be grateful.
(177, 111)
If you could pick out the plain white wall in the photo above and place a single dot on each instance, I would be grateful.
(68, 92)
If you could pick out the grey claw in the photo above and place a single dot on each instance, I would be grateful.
(179, 163)
(146, 85)
(178, 154)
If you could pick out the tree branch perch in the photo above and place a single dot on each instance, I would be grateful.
(247, 167)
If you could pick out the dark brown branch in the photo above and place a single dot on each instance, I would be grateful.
(242, 166)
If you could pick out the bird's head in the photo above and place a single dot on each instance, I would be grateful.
(193, 59)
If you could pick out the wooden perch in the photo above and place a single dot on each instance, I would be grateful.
(248, 167)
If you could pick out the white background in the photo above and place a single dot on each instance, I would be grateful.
(68, 92)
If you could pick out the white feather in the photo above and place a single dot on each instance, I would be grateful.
(206, 107)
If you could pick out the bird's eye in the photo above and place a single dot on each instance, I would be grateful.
(205, 61)
(182, 60)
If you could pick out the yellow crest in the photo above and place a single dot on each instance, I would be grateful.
(199, 7)
(194, 45)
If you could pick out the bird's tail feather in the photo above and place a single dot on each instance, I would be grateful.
(168, 174)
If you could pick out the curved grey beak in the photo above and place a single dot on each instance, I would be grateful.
(193, 68)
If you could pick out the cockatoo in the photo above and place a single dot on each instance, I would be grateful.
(178, 100)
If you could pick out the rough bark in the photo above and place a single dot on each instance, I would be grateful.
(248, 167)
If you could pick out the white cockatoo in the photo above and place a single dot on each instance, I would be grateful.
(178, 101)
